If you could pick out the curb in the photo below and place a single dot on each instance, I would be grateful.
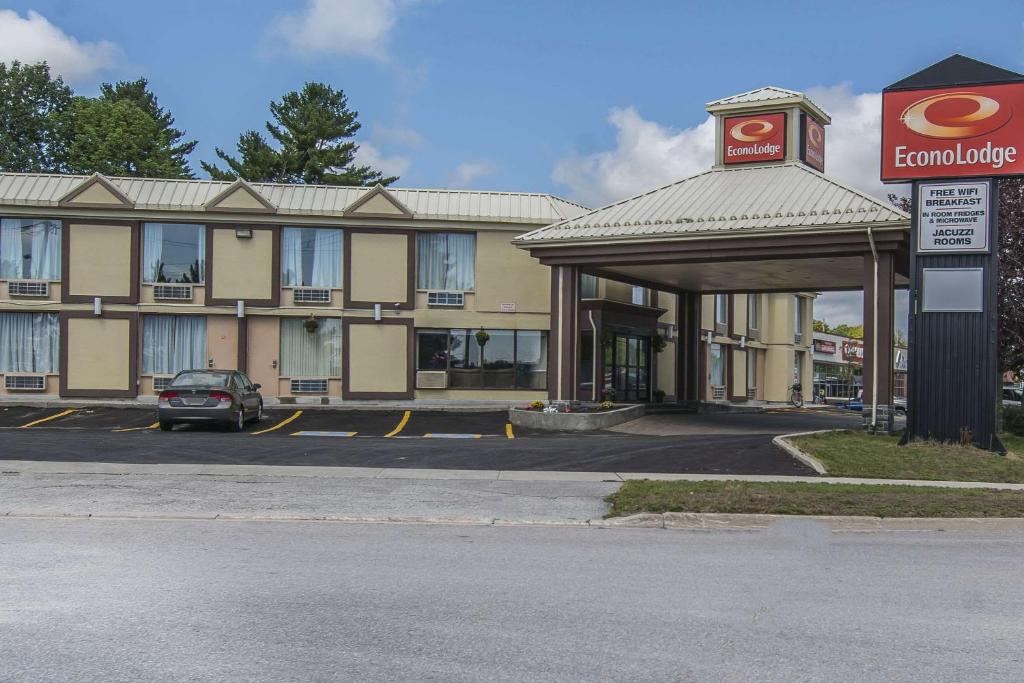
(782, 441)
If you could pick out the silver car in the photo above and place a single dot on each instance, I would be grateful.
(223, 396)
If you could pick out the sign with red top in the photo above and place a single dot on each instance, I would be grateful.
(812, 149)
(761, 137)
(952, 132)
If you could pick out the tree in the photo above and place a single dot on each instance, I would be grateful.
(1011, 274)
(852, 331)
(171, 138)
(901, 203)
(33, 129)
(312, 131)
(820, 326)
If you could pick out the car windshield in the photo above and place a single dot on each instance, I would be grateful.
(201, 379)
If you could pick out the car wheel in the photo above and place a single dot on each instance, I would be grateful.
(239, 422)
(259, 413)
(165, 426)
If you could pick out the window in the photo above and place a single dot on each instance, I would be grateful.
(508, 359)
(310, 257)
(29, 249)
(721, 309)
(446, 261)
(29, 342)
(641, 296)
(751, 373)
(588, 286)
(172, 343)
(174, 252)
(753, 311)
(308, 350)
(201, 379)
(798, 319)
(717, 366)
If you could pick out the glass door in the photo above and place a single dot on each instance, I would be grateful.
(627, 365)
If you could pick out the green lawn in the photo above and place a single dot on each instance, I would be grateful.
(812, 499)
(854, 454)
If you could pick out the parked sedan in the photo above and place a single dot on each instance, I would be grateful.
(1012, 396)
(222, 396)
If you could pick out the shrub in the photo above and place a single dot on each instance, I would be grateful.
(536, 405)
(1013, 420)
(607, 405)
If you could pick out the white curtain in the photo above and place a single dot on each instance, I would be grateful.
(29, 342)
(326, 258)
(717, 366)
(172, 343)
(11, 257)
(45, 263)
(446, 260)
(152, 251)
(291, 257)
(310, 354)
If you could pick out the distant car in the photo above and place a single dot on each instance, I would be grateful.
(856, 403)
(900, 405)
(1012, 396)
(222, 396)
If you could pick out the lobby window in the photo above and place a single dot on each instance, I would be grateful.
(721, 310)
(588, 286)
(29, 342)
(310, 350)
(172, 343)
(310, 257)
(717, 372)
(174, 252)
(641, 296)
(799, 304)
(446, 261)
(753, 311)
(508, 359)
(29, 249)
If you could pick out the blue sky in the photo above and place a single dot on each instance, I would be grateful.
(591, 100)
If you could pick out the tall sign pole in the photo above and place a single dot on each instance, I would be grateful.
(952, 130)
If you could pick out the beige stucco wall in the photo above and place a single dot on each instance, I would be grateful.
(738, 370)
(739, 313)
(617, 291)
(481, 395)
(242, 268)
(100, 263)
(99, 354)
(367, 341)
(96, 194)
(222, 341)
(378, 263)
(505, 274)
(665, 361)
(240, 199)
(707, 312)
(378, 204)
(264, 343)
(778, 373)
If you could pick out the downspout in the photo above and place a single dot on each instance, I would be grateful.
(874, 328)
(593, 358)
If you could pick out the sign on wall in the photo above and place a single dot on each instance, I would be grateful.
(812, 147)
(754, 138)
(953, 217)
(953, 132)
(853, 350)
(824, 346)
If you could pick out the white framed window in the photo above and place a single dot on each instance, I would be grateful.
(717, 366)
(29, 249)
(721, 309)
(588, 286)
(311, 257)
(29, 342)
(174, 253)
(754, 311)
(799, 306)
(172, 343)
(446, 261)
(311, 350)
(641, 296)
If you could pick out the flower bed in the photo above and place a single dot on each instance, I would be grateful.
(573, 416)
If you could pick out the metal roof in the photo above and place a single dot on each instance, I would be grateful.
(767, 97)
(45, 190)
(764, 94)
(750, 199)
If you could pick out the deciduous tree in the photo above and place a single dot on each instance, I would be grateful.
(33, 129)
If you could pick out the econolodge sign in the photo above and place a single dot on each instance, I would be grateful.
(754, 138)
(961, 131)
(813, 147)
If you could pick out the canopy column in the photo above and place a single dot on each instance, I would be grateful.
(688, 347)
(562, 339)
(879, 285)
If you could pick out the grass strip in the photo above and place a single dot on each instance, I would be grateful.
(855, 454)
(797, 498)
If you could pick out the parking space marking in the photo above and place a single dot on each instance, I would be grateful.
(291, 418)
(137, 429)
(508, 430)
(451, 436)
(314, 433)
(401, 425)
(47, 419)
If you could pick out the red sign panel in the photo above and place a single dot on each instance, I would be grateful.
(814, 144)
(953, 132)
(824, 346)
(754, 138)
(853, 350)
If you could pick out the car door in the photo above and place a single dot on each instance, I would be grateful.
(249, 395)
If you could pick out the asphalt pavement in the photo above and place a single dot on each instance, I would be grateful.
(172, 600)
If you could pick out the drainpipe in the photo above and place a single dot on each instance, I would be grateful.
(593, 357)
(874, 350)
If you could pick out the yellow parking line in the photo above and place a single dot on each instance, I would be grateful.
(508, 430)
(401, 425)
(137, 429)
(47, 419)
(282, 423)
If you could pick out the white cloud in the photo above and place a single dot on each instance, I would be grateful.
(33, 38)
(468, 171)
(360, 28)
(369, 155)
(398, 135)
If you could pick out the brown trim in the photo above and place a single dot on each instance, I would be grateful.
(378, 190)
(133, 267)
(410, 270)
(630, 280)
(410, 383)
(133, 345)
(242, 355)
(275, 263)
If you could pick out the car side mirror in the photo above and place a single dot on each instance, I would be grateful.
(257, 386)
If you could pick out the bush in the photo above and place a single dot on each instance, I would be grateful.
(1013, 420)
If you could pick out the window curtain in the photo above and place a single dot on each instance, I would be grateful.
(717, 366)
(326, 258)
(310, 354)
(45, 264)
(172, 343)
(152, 252)
(291, 257)
(10, 249)
(29, 342)
(446, 261)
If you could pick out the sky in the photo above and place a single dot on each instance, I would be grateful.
(593, 100)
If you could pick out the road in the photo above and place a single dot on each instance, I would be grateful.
(173, 600)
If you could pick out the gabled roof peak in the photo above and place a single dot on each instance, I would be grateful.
(766, 97)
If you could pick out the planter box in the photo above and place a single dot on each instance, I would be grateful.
(574, 422)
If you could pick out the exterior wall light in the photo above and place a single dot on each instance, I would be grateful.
(241, 309)
(243, 233)
(376, 312)
(97, 306)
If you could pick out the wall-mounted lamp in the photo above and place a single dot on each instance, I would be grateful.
(709, 336)
(241, 309)
(743, 342)
(97, 306)
(398, 308)
(670, 332)
(273, 364)
(243, 233)
(376, 312)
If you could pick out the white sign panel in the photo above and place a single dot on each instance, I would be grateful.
(953, 217)
(508, 308)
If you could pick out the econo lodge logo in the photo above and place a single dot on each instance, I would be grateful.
(754, 130)
(955, 115)
(761, 137)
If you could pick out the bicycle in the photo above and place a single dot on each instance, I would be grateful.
(796, 397)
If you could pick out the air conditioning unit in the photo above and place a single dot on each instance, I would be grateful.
(311, 295)
(172, 292)
(25, 382)
(161, 383)
(309, 386)
(446, 299)
(431, 379)
(28, 288)
(752, 393)
(717, 393)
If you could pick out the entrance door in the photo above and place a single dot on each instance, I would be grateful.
(627, 367)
